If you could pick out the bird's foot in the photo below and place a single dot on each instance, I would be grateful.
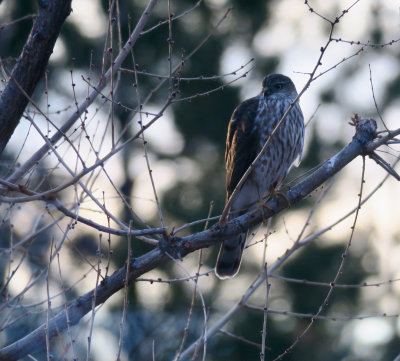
(275, 193)
(262, 204)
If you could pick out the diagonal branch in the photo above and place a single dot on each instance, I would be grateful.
(31, 64)
(385, 165)
(180, 247)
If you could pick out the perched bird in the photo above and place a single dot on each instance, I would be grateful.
(250, 126)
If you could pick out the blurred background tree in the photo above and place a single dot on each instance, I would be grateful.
(186, 151)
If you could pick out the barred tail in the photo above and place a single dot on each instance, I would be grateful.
(230, 257)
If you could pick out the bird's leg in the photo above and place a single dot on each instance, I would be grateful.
(261, 205)
(281, 192)
(274, 192)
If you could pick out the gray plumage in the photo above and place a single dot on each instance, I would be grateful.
(251, 124)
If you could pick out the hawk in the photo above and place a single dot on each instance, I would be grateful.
(250, 126)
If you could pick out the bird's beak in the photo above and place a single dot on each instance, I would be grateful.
(265, 91)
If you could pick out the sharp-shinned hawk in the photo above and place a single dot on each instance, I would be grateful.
(250, 126)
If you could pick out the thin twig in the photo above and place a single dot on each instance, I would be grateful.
(240, 338)
(373, 96)
(203, 337)
(93, 313)
(26, 17)
(174, 76)
(320, 317)
(125, 307)
(336, 285)
(196, 279)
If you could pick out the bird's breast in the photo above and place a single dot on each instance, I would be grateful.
(282, 144)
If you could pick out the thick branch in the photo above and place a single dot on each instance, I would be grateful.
(179, 247)
(31, 64)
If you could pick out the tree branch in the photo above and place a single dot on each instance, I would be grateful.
(180, 247)
(31, 64)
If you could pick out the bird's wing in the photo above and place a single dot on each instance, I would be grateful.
(241, 143)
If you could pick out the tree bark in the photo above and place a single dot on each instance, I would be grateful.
(31, 64)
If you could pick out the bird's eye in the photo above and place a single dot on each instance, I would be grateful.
(278, 86)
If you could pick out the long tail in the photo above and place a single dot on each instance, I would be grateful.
(230, 256)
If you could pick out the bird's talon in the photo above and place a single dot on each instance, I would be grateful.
(281, 193)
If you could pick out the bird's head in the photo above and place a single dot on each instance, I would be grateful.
(278, 84)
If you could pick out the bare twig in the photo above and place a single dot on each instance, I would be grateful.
(26, 17)
(385, 165)
(196, 279)
(240, 338)
(320, 317)
(373, 96)
(336, 285)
